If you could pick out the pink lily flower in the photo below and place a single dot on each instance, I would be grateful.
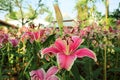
(67, 52)
(83, 33)
(38, 34)
(3, 39)
(40, 74)
(33, 36)
(14, 42)
(26, 36)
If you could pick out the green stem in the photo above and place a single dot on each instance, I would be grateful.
(116, 65)
(61, 30)
(0, 71)
(90, 70)
(105, 61)
(67, 75)
(1, 63)
(8, 53)
(28, 64)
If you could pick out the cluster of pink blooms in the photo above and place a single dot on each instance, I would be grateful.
(32, 35)
(65, 49)
(4, 38)
(66, 52)
(25, 34)
(76, 31)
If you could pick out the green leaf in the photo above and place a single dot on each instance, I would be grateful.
(75, 72)
(31, 13)
(114, 70)
(81, 78)
(59, 17)
(49, 40)
(12, 15)
(28, 64)
(117, 49)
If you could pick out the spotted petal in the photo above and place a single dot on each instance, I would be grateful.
(76, 43)
(65, 61)
(85, 52)
(37, 74)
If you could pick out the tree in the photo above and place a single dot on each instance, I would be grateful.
(6, 5)
(22, 11)
(82, 9)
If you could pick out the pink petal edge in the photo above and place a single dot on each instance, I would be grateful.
(60, 45)
(85, 52)
(52, 71)
(50, 49)
(53, 77)
(76, 43)
(40, 73)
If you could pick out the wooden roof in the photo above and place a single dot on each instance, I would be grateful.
(7, 24)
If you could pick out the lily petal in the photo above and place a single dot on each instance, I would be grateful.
(60, 45)
(41, 32)
(36, 35)
(52, 71)
(76, 43)
(53, 77)
(39, 74)
(14, 42)
(65, 61)
(85, 52)
(50, 49)
(32, 37)
(27, 35)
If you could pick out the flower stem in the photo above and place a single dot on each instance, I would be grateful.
(90, 70)
(105, 61)
(1, 63)
(116, 65)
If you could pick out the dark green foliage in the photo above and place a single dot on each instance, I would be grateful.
(49, 40)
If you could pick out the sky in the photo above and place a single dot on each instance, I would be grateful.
(67, 7)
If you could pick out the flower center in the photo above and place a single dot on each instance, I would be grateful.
(67, 50)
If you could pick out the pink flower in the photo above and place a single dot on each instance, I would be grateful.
(33, 36)
(70, 30)
(3, 39)
(26, 36)
(83, 33)
(38, 34)
(67, 52)
(40, 74)
(87, 29)
(14, 42)
(111, 30)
